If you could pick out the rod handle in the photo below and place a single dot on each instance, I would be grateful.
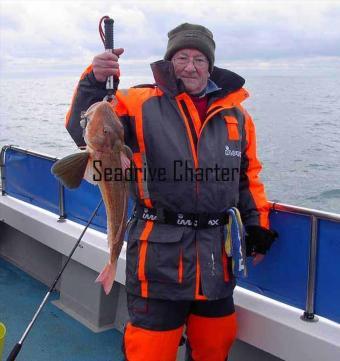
(14, 353)
(108, 27)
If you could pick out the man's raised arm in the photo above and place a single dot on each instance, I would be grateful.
(91, 89)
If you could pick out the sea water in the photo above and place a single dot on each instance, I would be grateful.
(297, 122)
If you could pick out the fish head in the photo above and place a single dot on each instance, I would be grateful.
(104, 131)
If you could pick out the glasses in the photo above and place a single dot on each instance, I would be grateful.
(183, 60)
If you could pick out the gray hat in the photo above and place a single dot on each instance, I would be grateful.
(191, 36)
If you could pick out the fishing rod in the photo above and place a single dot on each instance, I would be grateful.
(16, 349)
(107, 38)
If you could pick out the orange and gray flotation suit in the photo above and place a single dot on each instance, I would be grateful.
(187, 169)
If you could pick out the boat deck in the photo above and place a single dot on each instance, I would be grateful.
(20, 297)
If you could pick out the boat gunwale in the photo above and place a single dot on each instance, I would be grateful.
(274, 206)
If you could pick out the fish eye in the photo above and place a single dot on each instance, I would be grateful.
(107, 130)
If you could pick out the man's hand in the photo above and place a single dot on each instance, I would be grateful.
(258, 242)
(106, 64)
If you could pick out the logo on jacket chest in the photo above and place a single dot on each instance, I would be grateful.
(231, 153)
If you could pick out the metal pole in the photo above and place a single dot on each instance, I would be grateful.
(309, 315)
(2, 170)
(62, 215)
(304, 211)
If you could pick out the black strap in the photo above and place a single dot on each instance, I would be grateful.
(195, 220)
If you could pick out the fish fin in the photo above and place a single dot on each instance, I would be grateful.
(70, 169)
(126, 158)
(125, 161)
(114, 102)
(107, 277)
(122, 227)
(128, 151)
(89, 174)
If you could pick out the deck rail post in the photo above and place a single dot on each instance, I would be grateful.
(2, 169)
(62, 215)
(309, 314)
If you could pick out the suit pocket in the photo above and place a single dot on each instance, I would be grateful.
(160, 254)
(232, 127)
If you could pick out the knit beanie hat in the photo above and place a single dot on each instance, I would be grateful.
(191, 36)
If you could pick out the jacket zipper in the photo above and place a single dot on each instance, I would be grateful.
(196, 138)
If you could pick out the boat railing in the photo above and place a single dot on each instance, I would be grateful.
(62, 215)
(294, 224)
(55, 197)
(315, 216)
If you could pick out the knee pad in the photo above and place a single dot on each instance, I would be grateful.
(141, 344)
(210, 338)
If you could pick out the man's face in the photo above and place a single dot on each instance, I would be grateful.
(192, 67)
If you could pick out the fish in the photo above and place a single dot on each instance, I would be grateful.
(105, 153)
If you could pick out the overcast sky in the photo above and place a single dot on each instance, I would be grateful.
(61, 38)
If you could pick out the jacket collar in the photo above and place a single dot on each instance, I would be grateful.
(225, 80)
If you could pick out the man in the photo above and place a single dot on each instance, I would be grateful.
(177, 271)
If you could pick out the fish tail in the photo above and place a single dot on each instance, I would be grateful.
(107, 277)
